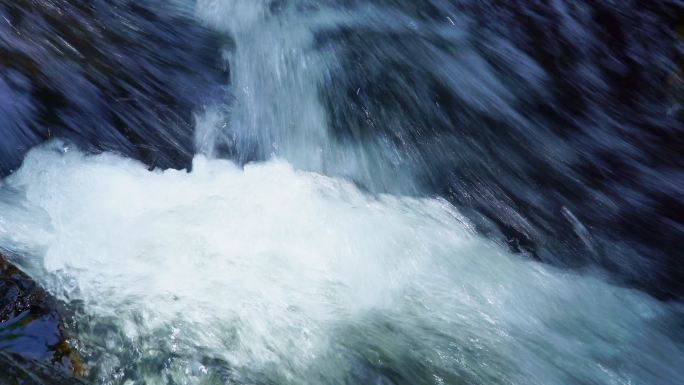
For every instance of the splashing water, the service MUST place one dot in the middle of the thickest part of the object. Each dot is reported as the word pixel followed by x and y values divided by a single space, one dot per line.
pixel 540 134
pixel 322 263
pixel 279 70
pixel 268 274
pixel 275 81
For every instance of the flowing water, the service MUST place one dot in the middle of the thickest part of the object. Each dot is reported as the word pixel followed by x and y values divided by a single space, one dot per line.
pixel 406 192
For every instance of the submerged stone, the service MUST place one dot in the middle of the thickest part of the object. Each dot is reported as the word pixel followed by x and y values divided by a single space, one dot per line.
pixel 33 343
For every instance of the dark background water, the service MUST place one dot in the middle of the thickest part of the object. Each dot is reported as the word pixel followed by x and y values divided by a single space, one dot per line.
pixel 568 148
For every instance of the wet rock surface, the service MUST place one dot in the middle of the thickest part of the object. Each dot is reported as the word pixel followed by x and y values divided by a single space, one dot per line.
pixel 18 370
pixel 33 343
pixel 116 76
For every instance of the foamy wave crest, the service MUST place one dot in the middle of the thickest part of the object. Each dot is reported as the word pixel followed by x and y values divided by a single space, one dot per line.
pixel 267 274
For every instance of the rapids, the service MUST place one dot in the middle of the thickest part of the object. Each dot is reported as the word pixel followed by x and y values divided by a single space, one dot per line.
pixel 271 275
pixel 349 192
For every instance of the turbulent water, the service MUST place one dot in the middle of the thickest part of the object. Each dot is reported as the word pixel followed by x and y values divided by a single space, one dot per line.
pixel 270 275
pixel 406 192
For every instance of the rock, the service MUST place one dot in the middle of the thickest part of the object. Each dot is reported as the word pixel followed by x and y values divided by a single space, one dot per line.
pixel 33 344
pixel 121 76
pixel 16 369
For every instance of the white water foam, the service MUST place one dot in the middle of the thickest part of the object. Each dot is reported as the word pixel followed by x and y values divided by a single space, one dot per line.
pixel 293 277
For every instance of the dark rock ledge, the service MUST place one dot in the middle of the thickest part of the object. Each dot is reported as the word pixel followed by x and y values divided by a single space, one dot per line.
pixel 34 348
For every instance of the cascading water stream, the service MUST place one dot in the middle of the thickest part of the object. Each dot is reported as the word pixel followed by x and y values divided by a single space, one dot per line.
pixel 275 77
pixel 321 253
pixel 278 76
